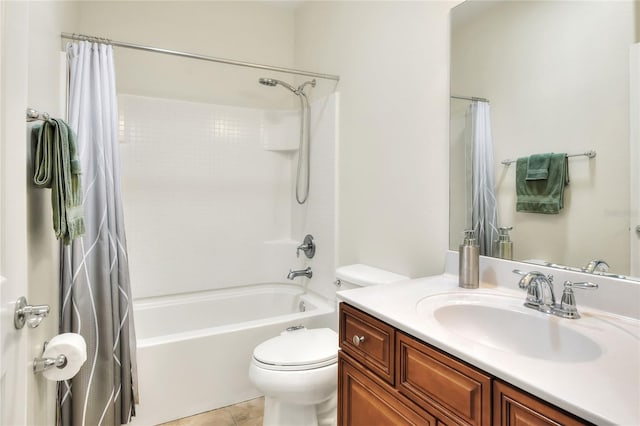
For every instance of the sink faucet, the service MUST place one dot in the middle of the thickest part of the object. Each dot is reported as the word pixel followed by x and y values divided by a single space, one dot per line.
pixel 539 289
pixel 300 273
pixel 596 266
pixel 540 295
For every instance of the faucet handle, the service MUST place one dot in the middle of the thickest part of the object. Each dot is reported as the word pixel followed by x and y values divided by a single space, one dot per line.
pixel 568 307
pixel 307 246
pixel 587 285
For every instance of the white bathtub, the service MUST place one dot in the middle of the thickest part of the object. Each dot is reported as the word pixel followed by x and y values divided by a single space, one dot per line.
pixel 194 350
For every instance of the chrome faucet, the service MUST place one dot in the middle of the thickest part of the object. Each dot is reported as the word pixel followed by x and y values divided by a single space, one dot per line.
pixel 539 289
pixel 540 294
pixel 596 266
pixel 300 273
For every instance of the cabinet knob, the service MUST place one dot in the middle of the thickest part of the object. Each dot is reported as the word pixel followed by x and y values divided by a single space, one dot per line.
pixel 357 340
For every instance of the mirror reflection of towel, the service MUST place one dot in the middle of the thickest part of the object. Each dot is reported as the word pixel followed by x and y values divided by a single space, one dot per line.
pixel 542 195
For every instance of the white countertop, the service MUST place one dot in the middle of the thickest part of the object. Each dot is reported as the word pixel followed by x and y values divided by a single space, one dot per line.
pixel 604 390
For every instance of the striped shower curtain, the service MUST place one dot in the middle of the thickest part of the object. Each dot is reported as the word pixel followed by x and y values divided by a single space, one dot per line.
pixel 95 292
pixel 484 217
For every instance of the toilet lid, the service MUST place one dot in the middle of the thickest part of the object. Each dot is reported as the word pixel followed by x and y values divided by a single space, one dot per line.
pixel 299 349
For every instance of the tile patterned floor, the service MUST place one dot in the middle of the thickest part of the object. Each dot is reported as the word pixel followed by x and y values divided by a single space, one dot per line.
pixel 248 413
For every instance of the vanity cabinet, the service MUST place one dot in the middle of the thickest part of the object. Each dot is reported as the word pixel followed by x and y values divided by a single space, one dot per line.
pixel 386 377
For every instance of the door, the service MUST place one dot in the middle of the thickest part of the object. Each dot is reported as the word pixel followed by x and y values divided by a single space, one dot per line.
pixel 634 198
pixel 14 365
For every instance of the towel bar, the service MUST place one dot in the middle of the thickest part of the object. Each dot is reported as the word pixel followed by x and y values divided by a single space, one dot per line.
pixel 33 115
pixel 589 154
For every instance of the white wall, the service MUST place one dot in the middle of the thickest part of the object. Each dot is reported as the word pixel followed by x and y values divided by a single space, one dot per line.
pixel 47 72
pixel 47 92
pixel 634 159
pixel 393 60
pixel 249 31
pixel 557 85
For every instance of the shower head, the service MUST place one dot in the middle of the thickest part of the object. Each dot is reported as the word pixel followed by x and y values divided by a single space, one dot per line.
pixel 305 121
pixel 273 82
pixel 268 81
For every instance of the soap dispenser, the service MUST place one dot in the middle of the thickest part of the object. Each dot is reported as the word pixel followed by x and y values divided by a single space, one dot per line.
pixel 469 261
pixel 503 246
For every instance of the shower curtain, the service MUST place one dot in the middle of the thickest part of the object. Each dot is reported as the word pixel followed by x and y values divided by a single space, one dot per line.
pixel 484 217
pixel 95 292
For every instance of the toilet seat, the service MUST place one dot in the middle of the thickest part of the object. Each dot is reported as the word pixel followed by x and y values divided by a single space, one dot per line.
pixel 302 349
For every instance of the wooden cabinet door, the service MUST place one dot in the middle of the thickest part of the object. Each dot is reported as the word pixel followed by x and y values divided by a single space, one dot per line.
pixel 365 402
pixel 431 378
pixel 512 407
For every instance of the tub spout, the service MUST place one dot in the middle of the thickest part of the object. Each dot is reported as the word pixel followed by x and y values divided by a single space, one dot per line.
pixel 300 273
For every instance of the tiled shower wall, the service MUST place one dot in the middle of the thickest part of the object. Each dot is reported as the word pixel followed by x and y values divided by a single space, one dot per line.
pixel 208 193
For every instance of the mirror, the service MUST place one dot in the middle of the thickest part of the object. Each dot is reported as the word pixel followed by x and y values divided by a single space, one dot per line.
pixel 556 75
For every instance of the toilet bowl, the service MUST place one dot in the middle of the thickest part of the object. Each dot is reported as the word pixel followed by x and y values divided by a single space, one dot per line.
pixel 298 374
pixel 297 371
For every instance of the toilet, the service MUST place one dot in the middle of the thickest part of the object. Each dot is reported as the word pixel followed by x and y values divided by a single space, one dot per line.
pixel 297 371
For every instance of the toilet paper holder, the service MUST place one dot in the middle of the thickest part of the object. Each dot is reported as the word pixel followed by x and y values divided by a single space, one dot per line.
pixel 41 364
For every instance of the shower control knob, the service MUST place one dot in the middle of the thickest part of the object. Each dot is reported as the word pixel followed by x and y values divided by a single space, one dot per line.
pixel 357 340
pixel 307 246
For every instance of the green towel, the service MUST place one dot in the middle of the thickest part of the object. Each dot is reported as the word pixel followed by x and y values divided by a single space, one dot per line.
pixel 544 195
pixel 57 166
pixel 538 166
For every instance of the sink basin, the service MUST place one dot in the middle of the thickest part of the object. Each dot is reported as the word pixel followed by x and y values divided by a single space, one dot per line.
pixel 502 323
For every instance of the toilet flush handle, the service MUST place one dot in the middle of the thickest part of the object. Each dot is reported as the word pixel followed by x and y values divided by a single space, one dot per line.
pixel 357 340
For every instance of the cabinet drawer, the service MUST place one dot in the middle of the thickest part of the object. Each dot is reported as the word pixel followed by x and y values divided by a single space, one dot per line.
pixel 373 345
pixel 365 402
pixel 512 407
pixel 427 376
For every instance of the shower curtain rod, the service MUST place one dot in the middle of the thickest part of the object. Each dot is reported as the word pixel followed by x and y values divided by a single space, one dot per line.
pixel 83 37
pixel 470 98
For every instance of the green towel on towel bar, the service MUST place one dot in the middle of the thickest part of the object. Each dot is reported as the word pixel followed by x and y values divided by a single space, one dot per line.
pixel 543 195
pixel 538 166
pixel 57 166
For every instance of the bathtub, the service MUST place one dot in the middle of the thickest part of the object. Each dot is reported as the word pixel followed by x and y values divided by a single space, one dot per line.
pixel 194 350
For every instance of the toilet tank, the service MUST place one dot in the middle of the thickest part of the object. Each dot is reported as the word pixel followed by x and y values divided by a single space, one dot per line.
pixel 359 275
